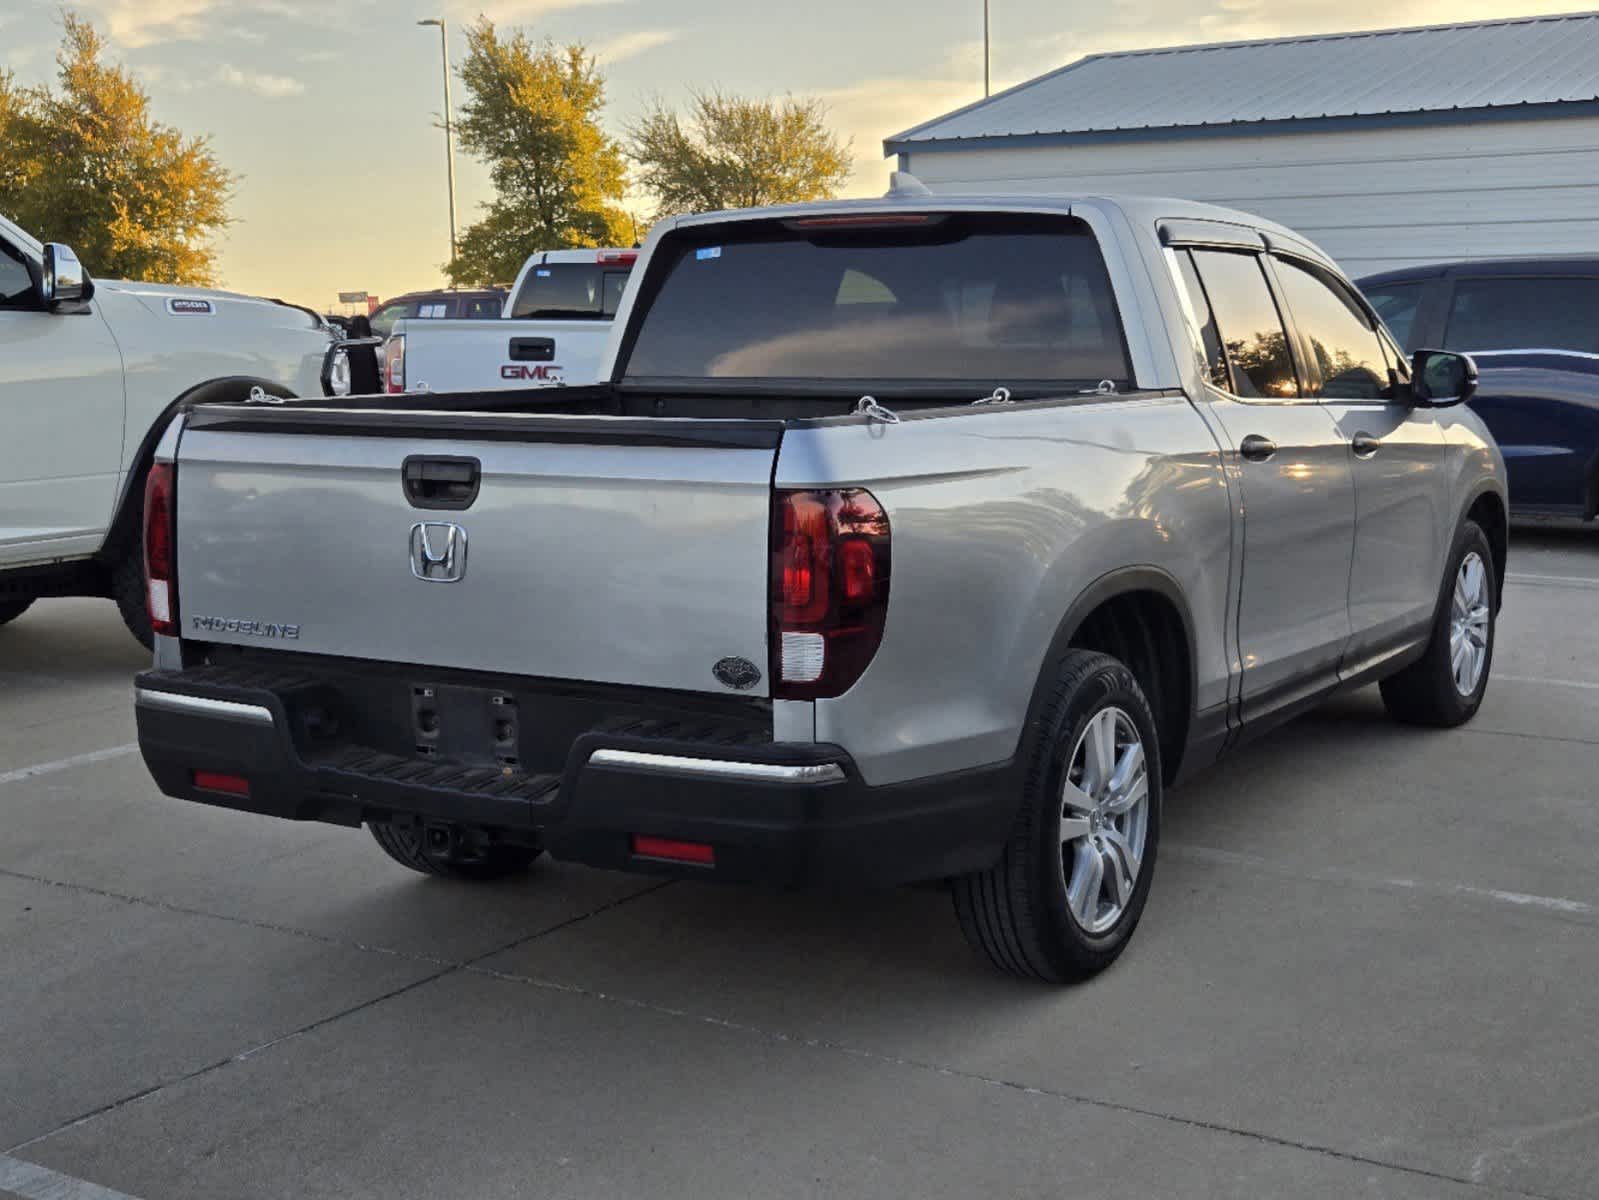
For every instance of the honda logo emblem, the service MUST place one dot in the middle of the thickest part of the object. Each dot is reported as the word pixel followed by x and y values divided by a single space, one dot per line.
pixel 438 551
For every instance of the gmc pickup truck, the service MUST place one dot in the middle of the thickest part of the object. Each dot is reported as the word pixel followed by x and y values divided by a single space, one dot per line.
pixel 552 330
pixel 924 538
pixel 91 371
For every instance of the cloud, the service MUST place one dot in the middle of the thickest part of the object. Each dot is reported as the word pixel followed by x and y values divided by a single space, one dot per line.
pixel 260 82
pixel 511 12
pixel 631 45
pixel 138 23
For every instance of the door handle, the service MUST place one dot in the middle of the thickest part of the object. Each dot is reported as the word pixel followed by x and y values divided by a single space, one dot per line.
pixel 1365 445
pixel 1256 448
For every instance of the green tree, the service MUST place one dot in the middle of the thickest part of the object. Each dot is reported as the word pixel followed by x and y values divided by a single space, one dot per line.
pixel 735 152
pixel 87 164
pixel 532 115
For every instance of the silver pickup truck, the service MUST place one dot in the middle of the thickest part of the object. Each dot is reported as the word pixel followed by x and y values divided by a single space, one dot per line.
pixel 925 538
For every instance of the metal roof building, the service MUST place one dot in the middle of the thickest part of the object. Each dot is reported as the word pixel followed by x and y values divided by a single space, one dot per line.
pixel 1475 140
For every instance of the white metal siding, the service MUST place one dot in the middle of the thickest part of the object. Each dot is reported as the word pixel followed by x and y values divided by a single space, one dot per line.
pixel 1373 198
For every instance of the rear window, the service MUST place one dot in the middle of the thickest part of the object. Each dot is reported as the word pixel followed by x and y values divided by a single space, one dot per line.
pixel 992 299
pixel 570 291
pixel 1552 313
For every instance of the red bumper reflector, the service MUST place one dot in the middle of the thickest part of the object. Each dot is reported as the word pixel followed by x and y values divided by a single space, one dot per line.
pixel 215 781
pixel 697 853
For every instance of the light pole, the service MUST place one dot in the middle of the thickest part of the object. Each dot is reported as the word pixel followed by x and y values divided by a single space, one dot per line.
pixel 449 120
pixel 985 47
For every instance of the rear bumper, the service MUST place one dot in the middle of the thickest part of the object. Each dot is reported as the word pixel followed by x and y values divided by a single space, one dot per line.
pixel 776 813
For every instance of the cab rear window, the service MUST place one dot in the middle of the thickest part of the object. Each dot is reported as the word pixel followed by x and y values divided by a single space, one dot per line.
pixel 570 291
pixel 988 299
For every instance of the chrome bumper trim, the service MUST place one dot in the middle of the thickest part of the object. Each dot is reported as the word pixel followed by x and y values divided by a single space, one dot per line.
pixel 676 764
pixel 199 706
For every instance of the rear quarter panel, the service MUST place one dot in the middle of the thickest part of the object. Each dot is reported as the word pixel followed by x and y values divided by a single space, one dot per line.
pixel 1001 518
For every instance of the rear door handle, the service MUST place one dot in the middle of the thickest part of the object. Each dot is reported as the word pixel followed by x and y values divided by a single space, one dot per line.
pixel 1256 448
pixel 1364 445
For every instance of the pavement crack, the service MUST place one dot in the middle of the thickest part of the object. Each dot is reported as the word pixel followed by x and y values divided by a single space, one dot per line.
pixel 777 1037
pixel 445 967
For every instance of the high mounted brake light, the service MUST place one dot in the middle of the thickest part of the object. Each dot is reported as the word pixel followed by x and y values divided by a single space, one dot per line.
pixel 619 258
pixel 864 221
pixel 829 590
pixel 160 552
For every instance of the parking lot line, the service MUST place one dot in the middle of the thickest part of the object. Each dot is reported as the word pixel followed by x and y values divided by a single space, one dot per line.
pixel 41 1183
pixel 1565 580
pixel 64 764
pixel 1554 905
pixel 1570 683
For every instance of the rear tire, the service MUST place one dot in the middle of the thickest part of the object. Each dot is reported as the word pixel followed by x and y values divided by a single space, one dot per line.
pixel 129 590
pixel 1063 900
pixel 405 844
pixel 12 607
pixel 1440 689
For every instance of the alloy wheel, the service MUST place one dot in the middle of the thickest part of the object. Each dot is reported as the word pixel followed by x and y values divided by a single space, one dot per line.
pixel 1468 624
pixel 1104 819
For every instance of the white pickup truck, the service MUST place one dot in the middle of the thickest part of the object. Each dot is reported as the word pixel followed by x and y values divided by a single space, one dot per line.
pixel 552 331
pixel 91 372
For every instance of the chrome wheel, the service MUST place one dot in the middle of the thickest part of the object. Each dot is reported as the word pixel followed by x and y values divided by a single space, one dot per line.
pixel 1468 624
pixel 1104 818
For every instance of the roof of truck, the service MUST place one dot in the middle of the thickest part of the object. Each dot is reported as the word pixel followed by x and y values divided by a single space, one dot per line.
pixel 1142 211
pixel 1422 73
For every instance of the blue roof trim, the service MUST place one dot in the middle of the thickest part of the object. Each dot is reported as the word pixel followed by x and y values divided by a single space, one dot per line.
pixel 1168 133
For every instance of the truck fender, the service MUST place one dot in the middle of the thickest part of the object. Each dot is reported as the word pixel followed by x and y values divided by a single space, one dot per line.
pixel 125 524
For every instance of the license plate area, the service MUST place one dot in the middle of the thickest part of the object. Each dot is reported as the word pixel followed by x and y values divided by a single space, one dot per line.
pixel 478 727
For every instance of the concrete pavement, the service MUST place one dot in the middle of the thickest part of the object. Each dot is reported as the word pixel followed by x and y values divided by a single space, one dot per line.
pixel 1368 968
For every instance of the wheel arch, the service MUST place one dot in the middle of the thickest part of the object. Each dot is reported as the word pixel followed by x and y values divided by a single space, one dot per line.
pixel 1139 615
pixel 1488 509
pixel 125 523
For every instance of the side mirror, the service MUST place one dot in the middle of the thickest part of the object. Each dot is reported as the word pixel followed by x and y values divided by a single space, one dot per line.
pixel 1439 378
pixel 65 281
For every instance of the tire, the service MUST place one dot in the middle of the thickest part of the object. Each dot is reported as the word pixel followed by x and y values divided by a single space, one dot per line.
pixel 1039 913
pixel 12 607
pixel 405 845
pixel 1430 691
pixel 132 596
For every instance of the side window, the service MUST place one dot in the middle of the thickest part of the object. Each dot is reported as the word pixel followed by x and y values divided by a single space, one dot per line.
pixel 1520 314
pixel 1251 328
pixel 615 285
pixel 1348 353
pixel 484 307
pixel 1397 305
pixel 1215 356
pixel 383 320
pixel 16 285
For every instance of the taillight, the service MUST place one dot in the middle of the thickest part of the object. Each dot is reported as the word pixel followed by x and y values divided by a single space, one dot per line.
pixel 160 553
pixel 394 363
pixel 829 590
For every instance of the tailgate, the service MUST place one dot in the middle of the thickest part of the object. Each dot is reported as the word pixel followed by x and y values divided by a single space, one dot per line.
pixel 615 550
pixel 484 355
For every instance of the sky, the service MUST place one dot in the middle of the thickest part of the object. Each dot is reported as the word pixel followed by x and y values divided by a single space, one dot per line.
pixel 328 109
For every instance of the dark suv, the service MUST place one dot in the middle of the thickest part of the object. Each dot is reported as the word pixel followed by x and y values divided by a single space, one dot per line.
pixel 440 305
pixel 1533 327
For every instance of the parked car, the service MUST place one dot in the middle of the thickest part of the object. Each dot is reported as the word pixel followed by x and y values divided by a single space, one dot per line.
pixel 915 539
pixel 552 331
pixel 91 371
pixel 1532 325
pixel 443 304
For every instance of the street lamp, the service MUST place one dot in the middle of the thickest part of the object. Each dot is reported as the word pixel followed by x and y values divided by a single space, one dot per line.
pixel 449 121
pixel 985 47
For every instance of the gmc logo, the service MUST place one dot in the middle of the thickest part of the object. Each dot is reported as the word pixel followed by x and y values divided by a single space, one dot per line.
pixel 542 373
